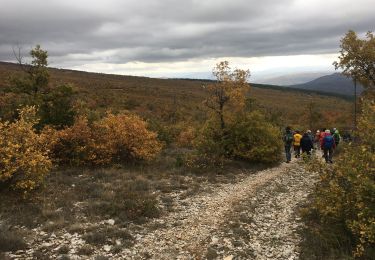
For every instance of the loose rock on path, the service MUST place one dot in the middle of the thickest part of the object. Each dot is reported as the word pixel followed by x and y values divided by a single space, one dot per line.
pixel 255 218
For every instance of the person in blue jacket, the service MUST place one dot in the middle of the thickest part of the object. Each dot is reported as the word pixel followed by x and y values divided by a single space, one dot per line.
pixel 328 145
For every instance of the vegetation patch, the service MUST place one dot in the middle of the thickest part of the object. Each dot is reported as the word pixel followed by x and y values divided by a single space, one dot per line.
pixel 341 215
pixel 11 240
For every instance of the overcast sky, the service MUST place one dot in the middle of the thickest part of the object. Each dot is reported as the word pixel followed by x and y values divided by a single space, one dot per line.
pixel 166 38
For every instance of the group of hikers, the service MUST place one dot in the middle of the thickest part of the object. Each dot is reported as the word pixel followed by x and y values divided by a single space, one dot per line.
pixel 324 139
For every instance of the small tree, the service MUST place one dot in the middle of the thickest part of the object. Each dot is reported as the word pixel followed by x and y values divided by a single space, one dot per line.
pixel 357 59
pixel 36 75
pixel 233 132
pixel 55 103
pixel 228 91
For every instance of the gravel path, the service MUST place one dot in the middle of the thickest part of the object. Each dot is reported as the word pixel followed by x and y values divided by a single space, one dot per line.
pixel 252 219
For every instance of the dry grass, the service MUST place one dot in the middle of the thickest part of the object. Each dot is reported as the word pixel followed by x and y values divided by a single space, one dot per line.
pixel 78 200
pixel 179 102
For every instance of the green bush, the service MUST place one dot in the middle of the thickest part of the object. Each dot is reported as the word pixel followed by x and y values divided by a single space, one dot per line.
pixel 252 138
pixel 56 107
pixel 164 133
pixel 249 137
pixel 211 140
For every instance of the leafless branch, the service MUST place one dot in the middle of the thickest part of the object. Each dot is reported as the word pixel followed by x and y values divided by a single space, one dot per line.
pixel 17 52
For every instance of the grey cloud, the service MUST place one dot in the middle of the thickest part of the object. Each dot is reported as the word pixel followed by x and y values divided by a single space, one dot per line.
pixel 114 31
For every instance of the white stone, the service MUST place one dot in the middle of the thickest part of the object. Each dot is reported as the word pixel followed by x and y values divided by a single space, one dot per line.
pixel 107 248
pixel 111 222
pixel 214 240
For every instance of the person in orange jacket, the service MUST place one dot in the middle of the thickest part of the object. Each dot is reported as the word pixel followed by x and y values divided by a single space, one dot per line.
pixel 297 144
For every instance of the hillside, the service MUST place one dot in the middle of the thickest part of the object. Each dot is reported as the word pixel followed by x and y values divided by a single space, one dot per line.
pixel 180 100
pixel 334 83
pixel 293 79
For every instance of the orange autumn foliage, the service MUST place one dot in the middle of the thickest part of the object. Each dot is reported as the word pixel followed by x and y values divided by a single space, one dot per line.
pixel 24 160
pixel 115 138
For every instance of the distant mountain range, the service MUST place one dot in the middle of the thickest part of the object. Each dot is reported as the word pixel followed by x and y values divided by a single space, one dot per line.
pixel 334 83
pixel 292 78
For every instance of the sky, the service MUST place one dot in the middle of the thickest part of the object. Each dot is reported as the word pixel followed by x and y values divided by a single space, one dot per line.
pixel 175 38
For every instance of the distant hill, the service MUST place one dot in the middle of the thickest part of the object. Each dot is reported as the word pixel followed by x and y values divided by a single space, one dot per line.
pixel 293 79
pixel 334 83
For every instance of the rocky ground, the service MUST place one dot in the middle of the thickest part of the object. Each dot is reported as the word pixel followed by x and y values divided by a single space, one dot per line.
pixel 254 218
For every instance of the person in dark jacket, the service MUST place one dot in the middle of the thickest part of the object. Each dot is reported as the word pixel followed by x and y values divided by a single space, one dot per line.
pixel 288 142
pixel 306 143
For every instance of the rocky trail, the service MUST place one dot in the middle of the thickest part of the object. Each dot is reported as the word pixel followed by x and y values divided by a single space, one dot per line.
pixel 254 218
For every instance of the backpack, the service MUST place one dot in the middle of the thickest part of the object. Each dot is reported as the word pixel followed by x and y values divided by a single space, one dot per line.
pixel 328 141
pixel 288 138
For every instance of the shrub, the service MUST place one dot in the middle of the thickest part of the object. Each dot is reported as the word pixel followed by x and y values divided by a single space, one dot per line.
pixel 186 137
pixel 253 138
pixel 166 134
pixel 249 137
pixel 73 144
pixel 346 191
pixel 115 138
pixel 210 140
pixel 23 153
pixel 56 107
pixel 125 137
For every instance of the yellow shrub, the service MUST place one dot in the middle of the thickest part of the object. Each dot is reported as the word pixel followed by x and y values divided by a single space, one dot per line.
pixel 23 153
pixel 72 145
pixel 124 137
pixel 117 138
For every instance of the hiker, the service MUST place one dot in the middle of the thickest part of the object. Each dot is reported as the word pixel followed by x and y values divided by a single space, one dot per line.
pixel 317 139
pixel 328 145
pixel 306 143
pixel 288 141
pixel 297 144
pixel 322 135
pixel 309 133
pixel 336 136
